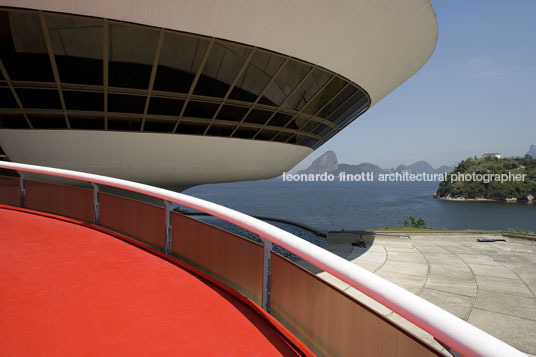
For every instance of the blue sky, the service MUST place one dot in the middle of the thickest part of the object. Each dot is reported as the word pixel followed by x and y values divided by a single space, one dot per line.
pixel 477 93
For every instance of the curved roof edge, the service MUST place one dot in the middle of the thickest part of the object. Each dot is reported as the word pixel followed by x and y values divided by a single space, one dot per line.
pixel 376 44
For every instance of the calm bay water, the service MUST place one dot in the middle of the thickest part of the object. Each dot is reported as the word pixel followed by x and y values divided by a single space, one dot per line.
pixel 361 205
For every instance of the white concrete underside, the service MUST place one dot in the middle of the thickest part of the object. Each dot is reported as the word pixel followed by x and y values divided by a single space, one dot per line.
pixel 152 158
pixel 377 44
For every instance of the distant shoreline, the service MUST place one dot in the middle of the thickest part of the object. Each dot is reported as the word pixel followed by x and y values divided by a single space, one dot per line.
pixel 529 199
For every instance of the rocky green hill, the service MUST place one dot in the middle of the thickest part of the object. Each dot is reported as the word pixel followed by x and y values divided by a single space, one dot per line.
pixel 509 179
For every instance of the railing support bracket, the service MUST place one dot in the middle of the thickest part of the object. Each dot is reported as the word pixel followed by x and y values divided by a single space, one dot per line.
pixel 95 203
pixel 22 189
pixel 169 239
pixel 267 275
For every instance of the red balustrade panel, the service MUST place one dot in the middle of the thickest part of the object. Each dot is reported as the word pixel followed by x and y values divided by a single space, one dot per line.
pixel 74 202
pixel 9 191
pixel 330 322
pixel 234 260
pixel 137 219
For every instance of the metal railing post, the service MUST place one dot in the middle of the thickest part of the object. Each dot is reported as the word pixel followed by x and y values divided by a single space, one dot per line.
pixel 449 349
pixel 267 275
pixel 22 189
pixel 95 203
pixel 169 239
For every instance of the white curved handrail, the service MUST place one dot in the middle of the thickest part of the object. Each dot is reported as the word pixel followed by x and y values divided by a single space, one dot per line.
pixel 461 336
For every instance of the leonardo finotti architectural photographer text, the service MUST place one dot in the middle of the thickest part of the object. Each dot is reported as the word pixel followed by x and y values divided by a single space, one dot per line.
pixel 403 177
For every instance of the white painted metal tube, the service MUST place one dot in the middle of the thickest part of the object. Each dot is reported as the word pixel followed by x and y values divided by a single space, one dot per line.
pixel 445 327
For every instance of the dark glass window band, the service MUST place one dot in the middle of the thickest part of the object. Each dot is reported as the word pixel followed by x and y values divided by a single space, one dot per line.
pixel 91 73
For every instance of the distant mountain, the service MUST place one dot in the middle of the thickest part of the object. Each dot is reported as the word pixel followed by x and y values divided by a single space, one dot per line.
pixel 362 167
pixel 532 150
pixel 445 168
pixel 325 163
pixel 423 166
pixel 419 166
pixel 328 163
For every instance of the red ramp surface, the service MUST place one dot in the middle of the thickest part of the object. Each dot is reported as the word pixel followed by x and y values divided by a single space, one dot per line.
pixel 66 289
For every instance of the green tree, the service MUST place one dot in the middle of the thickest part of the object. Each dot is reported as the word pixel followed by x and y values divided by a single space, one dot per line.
pixel 420 223
pixel 492 190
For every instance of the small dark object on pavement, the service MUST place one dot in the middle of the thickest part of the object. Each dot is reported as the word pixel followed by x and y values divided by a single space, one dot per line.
pixel 361 242
pixel 487 240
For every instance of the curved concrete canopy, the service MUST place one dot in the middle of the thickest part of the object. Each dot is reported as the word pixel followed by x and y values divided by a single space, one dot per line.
pixel 377 44
pixel 178 161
